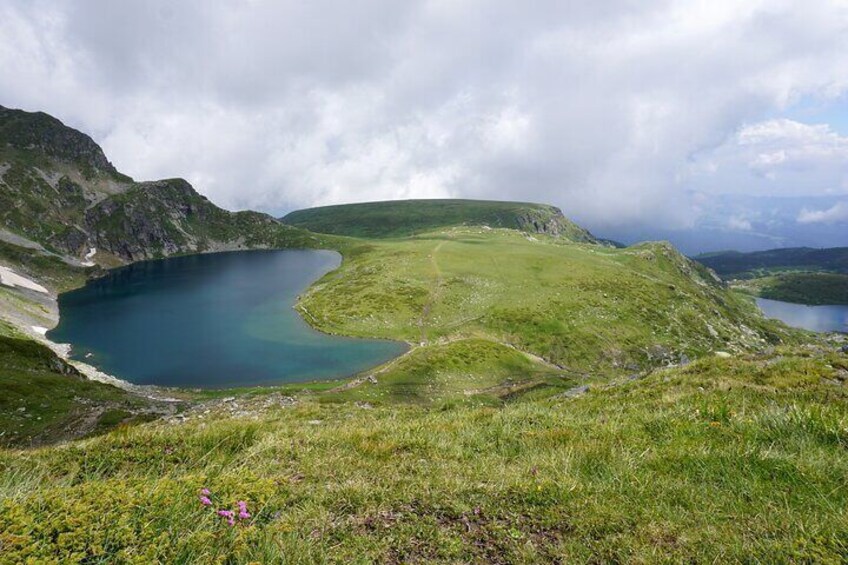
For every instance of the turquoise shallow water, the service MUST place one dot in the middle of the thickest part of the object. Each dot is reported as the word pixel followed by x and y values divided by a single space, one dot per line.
pixel 832 318
pixel 211 321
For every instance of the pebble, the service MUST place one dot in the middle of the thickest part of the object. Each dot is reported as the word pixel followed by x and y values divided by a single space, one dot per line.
pixel 576 391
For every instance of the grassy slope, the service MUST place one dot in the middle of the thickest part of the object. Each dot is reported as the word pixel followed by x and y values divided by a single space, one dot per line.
pixel 470 371
pixel 44 400
pixel 583 308
pixel 403 218
pixel 802 288
pixel 726 460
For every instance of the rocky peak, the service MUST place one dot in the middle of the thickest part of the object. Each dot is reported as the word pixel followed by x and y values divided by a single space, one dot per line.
pixel 46 134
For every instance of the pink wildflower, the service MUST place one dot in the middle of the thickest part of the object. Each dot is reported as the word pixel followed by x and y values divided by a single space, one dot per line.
pixel 243 513
pixel 204 500
pixel 229 515
pixel 205 492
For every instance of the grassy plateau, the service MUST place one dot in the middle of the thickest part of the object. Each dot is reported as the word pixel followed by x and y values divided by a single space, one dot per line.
pixel 402 218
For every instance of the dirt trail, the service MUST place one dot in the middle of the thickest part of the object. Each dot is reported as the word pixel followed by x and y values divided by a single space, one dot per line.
pixel 434 293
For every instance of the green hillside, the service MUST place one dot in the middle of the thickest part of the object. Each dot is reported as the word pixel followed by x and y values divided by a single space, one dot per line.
pixel 584 309
pixel 401 218
pixel 44 400
pixel 724 461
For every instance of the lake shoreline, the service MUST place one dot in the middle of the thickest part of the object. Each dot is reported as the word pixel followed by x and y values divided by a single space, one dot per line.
pixel 45 317
pixel 820 318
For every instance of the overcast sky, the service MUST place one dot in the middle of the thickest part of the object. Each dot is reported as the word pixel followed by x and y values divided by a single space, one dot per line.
pixel 620 112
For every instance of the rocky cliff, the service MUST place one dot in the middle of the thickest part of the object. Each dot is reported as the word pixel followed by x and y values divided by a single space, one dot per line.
pixel 58 189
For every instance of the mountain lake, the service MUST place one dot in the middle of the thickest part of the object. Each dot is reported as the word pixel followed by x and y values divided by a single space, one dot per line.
pixel 827 318
pixel 211 321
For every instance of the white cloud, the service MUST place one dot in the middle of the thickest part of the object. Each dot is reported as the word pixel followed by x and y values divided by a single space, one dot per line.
pixel 836 213
pixel 597 107
pixel 777 157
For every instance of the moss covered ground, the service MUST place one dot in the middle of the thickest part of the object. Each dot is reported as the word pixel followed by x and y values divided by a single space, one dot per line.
pixel 725 460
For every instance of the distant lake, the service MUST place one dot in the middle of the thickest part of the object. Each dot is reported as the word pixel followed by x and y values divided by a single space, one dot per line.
pixel 815 318
pixel 211 321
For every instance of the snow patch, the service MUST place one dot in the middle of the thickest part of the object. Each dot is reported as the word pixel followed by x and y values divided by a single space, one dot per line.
pixel 9 277
pixel 87 262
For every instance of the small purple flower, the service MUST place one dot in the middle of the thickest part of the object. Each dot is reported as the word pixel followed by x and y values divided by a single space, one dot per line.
pixel 205 492
pixel 229 515
pixel 204 500
pixel 243 513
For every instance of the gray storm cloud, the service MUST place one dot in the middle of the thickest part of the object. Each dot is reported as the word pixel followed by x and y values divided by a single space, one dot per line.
pixel 613 110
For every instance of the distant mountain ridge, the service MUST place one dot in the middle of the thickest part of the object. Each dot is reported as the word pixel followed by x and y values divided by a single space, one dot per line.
pixel 737 264
pixel 402 218
pixel 58 189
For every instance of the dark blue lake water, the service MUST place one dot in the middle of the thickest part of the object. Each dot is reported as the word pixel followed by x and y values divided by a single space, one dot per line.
pixel 816 318
pixel 211 321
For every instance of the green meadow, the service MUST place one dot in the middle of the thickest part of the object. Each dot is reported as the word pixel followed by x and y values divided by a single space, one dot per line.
pixel 580 308
pixel 725 460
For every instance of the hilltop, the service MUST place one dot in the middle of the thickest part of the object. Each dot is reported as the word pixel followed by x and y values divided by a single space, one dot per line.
pixel 402 218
